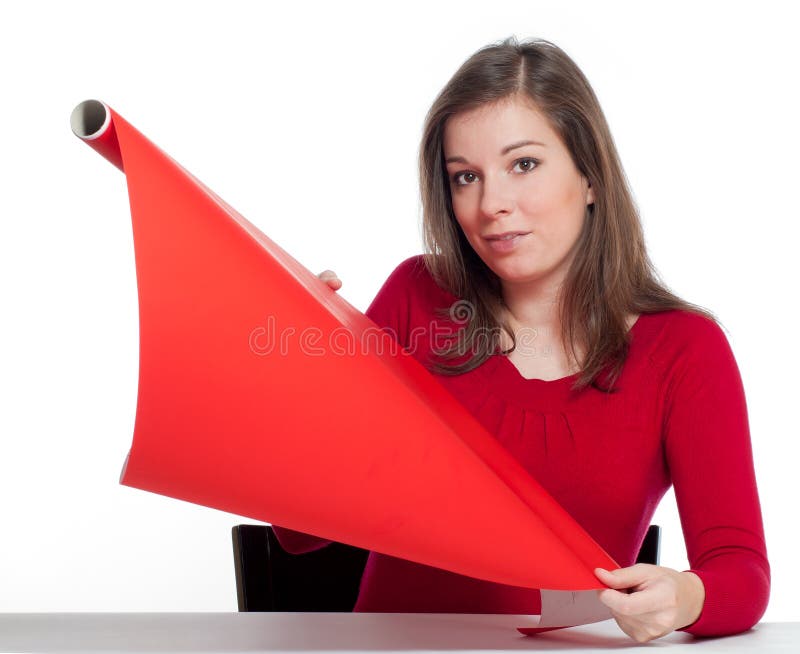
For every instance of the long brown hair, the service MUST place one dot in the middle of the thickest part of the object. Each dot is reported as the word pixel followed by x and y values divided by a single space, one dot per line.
pixel 611 274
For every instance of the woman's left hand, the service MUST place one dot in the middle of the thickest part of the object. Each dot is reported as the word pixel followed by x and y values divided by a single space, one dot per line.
pixel 657 601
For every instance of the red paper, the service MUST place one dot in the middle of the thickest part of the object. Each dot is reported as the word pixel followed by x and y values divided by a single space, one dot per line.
pixel 365 448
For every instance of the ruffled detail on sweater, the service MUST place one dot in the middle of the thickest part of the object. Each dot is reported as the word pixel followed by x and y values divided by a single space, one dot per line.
pixel 529 434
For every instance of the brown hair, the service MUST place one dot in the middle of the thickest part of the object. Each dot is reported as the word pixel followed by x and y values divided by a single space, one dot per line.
pixel 611 275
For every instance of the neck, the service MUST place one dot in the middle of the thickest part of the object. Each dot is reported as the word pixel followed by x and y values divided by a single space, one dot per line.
pixel 532 306
pixel 533 313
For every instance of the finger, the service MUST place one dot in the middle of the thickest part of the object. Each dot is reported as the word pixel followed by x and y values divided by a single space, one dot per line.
pixel 612 599
pixel 330 278
pixel 632 604
pixel 630 630
pixel 625 577
pixel 637 632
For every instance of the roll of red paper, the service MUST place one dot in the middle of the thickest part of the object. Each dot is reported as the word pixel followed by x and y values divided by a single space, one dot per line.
pixel 350 440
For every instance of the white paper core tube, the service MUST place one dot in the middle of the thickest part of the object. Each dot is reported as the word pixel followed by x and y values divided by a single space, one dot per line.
pixel 90 119
pixel 91 122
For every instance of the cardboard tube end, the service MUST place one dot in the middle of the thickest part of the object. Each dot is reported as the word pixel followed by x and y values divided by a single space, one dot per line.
pixel 90 119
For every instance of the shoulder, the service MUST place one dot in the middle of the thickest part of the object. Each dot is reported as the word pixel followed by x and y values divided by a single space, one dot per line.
pixel 409 270
pixel 684 344
pixel 409 297
pixel 680 330
pixel 414 267
pixel 411 279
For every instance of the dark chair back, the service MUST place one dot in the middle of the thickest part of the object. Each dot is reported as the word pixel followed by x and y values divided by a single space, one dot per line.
pixel 650 551
pixel 270 579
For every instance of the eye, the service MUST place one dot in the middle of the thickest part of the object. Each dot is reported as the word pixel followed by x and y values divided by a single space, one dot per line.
pixel 526 165
pixel 465 178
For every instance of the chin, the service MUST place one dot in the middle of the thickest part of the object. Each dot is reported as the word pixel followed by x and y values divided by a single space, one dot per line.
pixel 522 279
pixel 519 273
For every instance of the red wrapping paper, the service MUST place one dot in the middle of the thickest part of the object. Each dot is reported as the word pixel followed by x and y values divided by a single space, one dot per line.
pixel 350 439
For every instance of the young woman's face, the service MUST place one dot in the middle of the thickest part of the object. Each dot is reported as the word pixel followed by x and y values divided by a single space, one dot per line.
pixel 510 175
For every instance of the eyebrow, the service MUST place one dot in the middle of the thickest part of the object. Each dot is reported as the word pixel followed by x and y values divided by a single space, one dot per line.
pixel 504 151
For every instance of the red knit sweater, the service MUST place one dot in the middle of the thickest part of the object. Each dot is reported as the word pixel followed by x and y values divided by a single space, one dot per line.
pixel 679 417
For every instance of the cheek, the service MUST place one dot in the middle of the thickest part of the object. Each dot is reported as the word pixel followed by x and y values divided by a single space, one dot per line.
pixel 554 208
pixel 465 211
pixel 461 200
pixel 548 194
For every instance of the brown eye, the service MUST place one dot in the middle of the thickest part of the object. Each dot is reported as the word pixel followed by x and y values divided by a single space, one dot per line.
pixel 526 165
pixel 462 179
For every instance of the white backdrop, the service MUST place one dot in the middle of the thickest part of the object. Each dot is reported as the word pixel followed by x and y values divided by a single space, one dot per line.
pixel 306 117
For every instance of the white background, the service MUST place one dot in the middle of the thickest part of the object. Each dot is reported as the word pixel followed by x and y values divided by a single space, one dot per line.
pixel 306 117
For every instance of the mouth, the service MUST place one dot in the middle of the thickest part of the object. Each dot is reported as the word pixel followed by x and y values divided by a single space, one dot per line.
pixel 505 236
pixel 505 242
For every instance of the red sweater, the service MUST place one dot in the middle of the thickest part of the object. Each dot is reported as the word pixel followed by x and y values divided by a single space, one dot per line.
pixel 679 417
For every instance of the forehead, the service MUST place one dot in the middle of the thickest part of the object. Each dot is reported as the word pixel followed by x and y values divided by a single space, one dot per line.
pixel 493 126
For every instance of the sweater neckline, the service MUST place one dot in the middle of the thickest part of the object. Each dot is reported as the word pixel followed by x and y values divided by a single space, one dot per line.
pixel 503 364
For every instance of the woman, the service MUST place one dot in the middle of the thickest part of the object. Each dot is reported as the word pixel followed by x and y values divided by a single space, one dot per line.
pixel 607 387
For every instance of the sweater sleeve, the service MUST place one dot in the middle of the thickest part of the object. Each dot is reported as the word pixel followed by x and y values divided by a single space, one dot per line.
pixel 389 310
pixel 709 455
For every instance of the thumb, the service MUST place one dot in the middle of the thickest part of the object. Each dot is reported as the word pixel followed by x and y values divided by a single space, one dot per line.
pixel 623 577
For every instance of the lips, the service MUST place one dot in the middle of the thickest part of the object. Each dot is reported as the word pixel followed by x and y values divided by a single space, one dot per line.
pixel 505 236
pixel 506 242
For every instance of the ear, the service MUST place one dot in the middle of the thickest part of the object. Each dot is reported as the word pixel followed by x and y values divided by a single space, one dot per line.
pixel 589 195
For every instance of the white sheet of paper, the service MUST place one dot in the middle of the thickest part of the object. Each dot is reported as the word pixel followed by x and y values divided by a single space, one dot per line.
pixel 566 608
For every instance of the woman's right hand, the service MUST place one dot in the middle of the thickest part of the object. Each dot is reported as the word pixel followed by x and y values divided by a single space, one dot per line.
pixel 330 278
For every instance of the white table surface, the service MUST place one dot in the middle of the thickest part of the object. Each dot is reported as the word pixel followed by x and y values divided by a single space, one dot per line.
pixel 346 632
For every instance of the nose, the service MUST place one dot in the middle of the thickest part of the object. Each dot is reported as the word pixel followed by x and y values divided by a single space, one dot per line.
pixel 496 197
